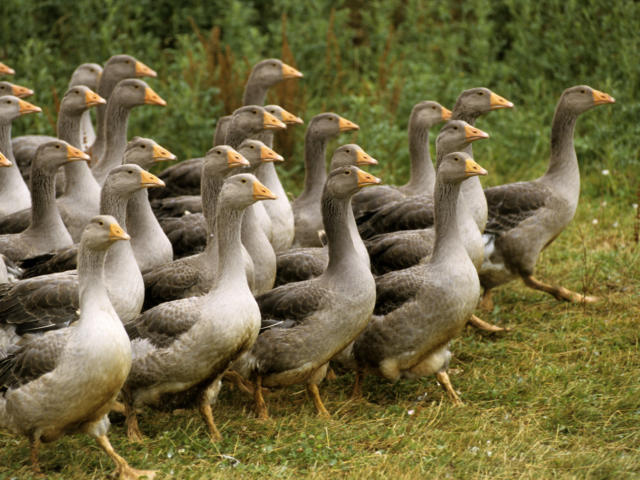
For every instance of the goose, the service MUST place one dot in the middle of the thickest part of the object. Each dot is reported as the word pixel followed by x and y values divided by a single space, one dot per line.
pixel 14 194
pixel 4 275
pixel 66 381
pixel 51 301
pixel 151 246
pixel 424 115
pixel 46 231
pixel 87 74
pixel 80 199
pixel 184 347
pixel 525 217
pixel 409 334
pixel 307 207
pixel 417 211
pixel 6 69
pixel 8 88
pixel 333 307
pixel 304 263
pixel 127 94
pixel 116 69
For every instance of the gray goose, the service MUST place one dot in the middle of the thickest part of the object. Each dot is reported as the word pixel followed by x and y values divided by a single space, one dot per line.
pixel 405 248
pixel 66 381
pixel 46 231
pixel 80 199
pixel 304 263
pixel 116 69
pixel 424 115
pixel 51 301
pixel 126 95
pixel 307 207
pixel 311 321
pixel 87 74
pixel 8 88
pixel 525 217
pixel 6 69
pixel 182 348
pixel 417 211
pixel 14 194
pixel 432 301
pixel 4 275
pixel 151 246
pixel 193 275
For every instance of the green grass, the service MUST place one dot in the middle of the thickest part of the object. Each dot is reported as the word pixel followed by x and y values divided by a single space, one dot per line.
pixel 558 397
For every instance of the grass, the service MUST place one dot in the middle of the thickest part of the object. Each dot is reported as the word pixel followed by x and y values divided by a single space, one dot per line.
pixel 558 397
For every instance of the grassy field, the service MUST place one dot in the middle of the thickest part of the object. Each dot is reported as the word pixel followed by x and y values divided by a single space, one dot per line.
pixel 558 397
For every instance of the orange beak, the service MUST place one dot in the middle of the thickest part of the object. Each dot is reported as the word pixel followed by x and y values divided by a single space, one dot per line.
pixel 4 161
pixel 20 92
pixel 117 233
pixel 496 102
pixel 290 118
pixel 290 72
pixel 365 179
pixel 92 99
pixel 471 168
pixel 473 134
pixel 446 114
pixel 268 155
pixel 347 125
pixel 149 180
pixel 152 98
pixel 74 154
pixel 26 107
pixel 600 98
pixel 234 159
pixel 6 69
pixel 363 158
pixel 143 71
pixel 260 192
pixel 270 122
pixel 161 154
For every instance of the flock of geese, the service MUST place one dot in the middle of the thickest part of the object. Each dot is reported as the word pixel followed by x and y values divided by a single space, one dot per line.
pixel 118 294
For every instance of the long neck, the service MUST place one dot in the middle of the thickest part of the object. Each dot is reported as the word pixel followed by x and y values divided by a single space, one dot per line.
pixel 5 141
pixel 254 94
pixel 231 270
pixel 423 175
pixel 78 176
pixel 8 175
pixel 44 211
pixel 105 88
pixel 140 215
pixel 93 293
pixel 220 133
pixel 210 186
pixel 116 131
pixel 113 203
pixel 235 136
pixel 448 242
pixel 315 173
pixel 335 215
pixel 266 137
pixel 563 163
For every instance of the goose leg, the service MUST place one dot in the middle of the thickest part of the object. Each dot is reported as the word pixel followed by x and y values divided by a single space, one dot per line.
pixel 118 407
pixel 238 381
pixel 133 429
pixel 445 381
pixel 35 448
pixel 312 389
pixel 261 406
pixel 123 470
pixel 356 393
pixel 204 407
pixel 560 293
pixel 486 326
pixel 486 303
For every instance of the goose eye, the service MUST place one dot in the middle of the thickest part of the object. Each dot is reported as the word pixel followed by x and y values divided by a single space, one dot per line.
pixel 348 172
pixel 244 180
pixel 8 102
pixel 252 147
pixel 136 86
pixel 583 91
pixel 143 146
pixel 58 146
pixel 455 128
pixel 348 151
pixel 218 152
pixel 254 112
pixel 480 93
pixel 433 108
pixel 130 172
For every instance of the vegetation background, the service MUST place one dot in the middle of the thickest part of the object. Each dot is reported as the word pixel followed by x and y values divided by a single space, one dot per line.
pixel 558 397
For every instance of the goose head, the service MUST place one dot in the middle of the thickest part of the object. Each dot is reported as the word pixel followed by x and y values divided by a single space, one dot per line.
pixel 478 101
pixel 344 182
pixel 456 135
pixel 458 166
pixel 79 98
pixel 425 115
pixel 257 152
pixel 582 97
pixel 267 73
pixel 351 154
pixel 87 74
pixel 12 107
pixel 101 232
pixel 127 179
pixel 132 92
pixel 243 190
pixel 145 152
pixel 281 114
pixel 328 125
pixel 125 66
pixel 253 119
pixel 52 155
pixel 8 88
pixel 222 159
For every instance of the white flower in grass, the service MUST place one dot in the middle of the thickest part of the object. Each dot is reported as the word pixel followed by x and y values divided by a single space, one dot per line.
pixel 605 172
pixel 594 221
pixel 615 224
pixel 635 206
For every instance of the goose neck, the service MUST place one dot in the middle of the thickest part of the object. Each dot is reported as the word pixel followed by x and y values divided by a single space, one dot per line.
pixel 335 215
pixel 230 270
pixel 448 242
pixel 210 186
pixel 423 175
pixel 92 287
pixel 315 174
pixel 116 138
pixel 5 140
pixel 44 212
pixel 113 203
pixel 563 162
pixel 254 93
